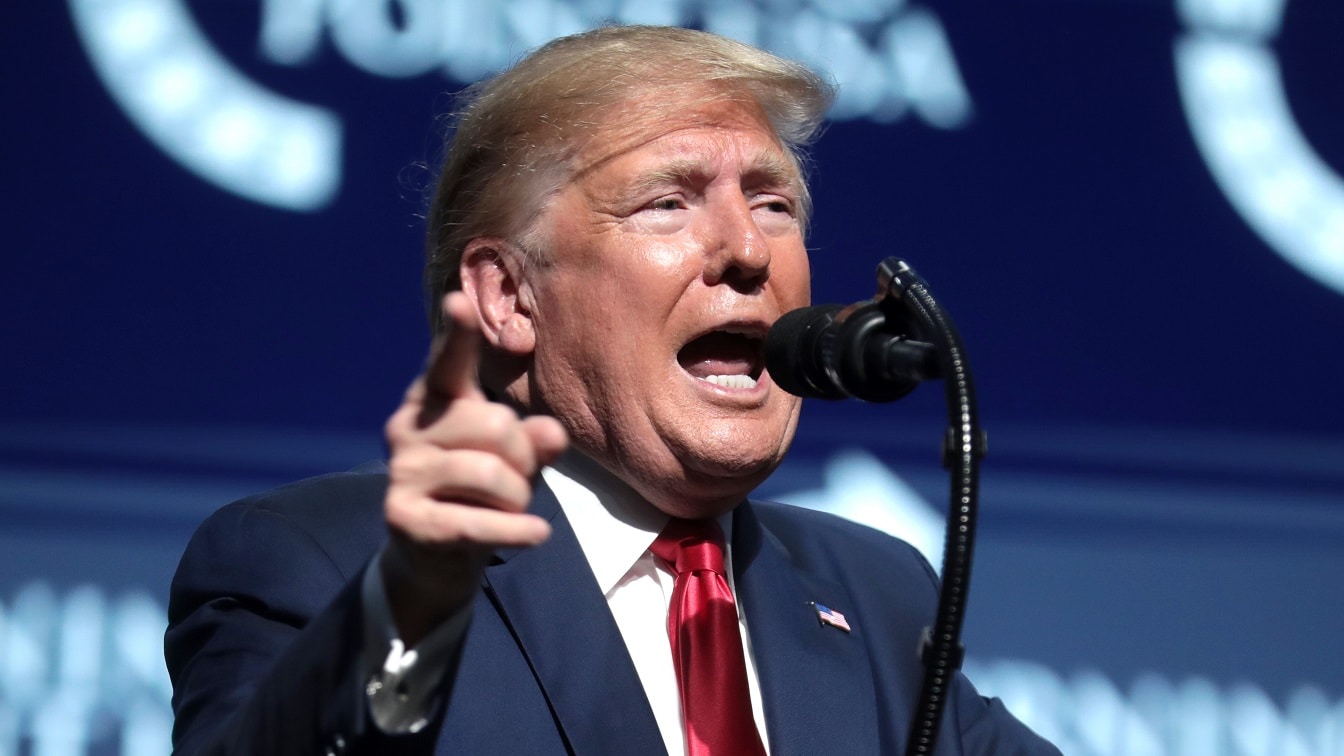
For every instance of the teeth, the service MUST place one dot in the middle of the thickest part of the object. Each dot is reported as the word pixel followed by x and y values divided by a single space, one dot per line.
pixel 732 381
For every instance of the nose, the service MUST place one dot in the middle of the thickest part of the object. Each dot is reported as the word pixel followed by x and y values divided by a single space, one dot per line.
pixel 738 253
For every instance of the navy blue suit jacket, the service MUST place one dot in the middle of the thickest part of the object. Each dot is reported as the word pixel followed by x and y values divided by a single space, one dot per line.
pixel 265 639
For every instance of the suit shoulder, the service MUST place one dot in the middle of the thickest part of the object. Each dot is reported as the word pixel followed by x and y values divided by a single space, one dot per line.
pixel 338 515
pixel 817 539
pixel 814 524
pixel 321 496
pixel 331 502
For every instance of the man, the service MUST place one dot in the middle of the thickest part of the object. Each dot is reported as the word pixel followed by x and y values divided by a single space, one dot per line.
pixel 618 223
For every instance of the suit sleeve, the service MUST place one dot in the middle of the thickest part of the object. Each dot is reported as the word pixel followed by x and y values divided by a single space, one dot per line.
pixel 263 659
pixel 987 728
pixel 984 725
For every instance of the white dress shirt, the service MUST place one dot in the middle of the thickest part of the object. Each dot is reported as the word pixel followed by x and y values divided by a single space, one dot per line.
pixel 614 527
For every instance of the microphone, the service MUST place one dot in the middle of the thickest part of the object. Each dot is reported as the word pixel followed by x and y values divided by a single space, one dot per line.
pixel 879 350
pixel 830 352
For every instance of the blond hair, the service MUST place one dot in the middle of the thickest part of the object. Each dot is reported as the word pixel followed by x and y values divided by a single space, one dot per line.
pixel 517 133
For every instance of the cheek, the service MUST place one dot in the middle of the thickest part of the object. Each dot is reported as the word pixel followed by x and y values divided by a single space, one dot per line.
pixel 591 337
pixel 791 274
pixel 633 267
pixel 661 267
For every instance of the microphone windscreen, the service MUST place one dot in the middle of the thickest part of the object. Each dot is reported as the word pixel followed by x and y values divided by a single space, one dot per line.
pixel 795 349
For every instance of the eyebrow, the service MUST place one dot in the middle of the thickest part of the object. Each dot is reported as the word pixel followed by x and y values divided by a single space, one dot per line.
pixel 765 168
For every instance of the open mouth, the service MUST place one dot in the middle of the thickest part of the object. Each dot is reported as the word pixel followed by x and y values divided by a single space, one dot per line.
pixel 729 357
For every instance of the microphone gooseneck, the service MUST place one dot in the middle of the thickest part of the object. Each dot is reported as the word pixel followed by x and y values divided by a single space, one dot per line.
pixel 878 350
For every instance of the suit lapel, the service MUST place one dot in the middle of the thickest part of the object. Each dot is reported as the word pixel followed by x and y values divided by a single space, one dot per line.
pixel 816 680
pixel 551 602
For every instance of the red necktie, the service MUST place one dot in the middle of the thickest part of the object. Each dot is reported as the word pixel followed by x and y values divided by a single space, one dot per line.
pixel 706 644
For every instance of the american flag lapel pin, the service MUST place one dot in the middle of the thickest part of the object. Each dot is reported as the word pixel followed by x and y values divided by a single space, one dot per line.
pixel 829 616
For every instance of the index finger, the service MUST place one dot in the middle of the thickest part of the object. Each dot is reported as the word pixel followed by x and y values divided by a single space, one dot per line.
pixel 455 357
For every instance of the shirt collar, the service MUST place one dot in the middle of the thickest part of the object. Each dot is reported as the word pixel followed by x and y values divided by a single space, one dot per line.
pixel 614 525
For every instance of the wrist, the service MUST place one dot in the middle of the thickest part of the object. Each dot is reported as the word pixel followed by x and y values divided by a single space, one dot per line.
pixel 425 590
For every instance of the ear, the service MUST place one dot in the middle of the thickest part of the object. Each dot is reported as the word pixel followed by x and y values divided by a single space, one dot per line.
pixel 491 271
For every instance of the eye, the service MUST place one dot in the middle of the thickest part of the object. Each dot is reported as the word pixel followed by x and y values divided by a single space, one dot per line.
pixel 775 204
pixel 667 214
pixel 775 213
pixel 664 203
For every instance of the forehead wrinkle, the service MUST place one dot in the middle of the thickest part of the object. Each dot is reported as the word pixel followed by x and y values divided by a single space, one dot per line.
pixel 610 141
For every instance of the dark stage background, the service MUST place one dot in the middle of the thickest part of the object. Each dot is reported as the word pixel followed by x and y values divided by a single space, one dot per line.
pixel 1133 209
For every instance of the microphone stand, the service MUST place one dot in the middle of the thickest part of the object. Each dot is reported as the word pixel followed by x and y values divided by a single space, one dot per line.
pixel 902 296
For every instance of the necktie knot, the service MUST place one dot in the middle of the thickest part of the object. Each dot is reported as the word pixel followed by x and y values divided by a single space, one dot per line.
pixel 690 545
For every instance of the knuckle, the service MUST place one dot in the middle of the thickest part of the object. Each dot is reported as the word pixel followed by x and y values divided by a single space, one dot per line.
pixel 479 479
pixel 398 510
pixel 490 474
pixel 406 466
pixel 449 524
pixel 467 530
pixel 496 420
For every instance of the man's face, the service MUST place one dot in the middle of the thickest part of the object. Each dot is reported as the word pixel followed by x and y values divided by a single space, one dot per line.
pixel 668 256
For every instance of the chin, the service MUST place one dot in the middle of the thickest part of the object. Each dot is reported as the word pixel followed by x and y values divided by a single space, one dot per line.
pixel 705 469
pixel 702 485
pixel 730 476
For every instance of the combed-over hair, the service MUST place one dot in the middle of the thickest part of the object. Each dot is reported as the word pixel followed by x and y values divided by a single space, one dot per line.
pixel 518 133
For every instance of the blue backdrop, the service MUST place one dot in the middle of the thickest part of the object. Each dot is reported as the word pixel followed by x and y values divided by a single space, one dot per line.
pixel 1133 208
